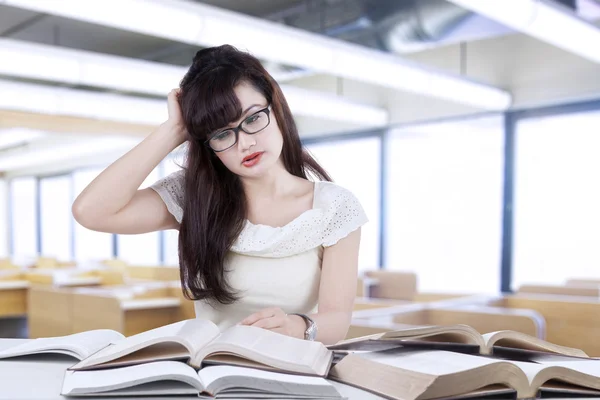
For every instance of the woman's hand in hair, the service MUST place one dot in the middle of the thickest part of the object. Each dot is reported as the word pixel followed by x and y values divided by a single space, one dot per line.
pixel 175 121
pixel 276 320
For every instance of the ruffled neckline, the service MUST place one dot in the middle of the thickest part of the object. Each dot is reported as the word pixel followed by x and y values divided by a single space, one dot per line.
pixel 302 233
pixel 335 213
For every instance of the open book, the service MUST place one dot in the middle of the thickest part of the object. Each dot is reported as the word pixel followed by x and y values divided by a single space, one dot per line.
pixel 195 341
pixel 199 342
pixel 462 338
pixel 175 378
pixel 79 345
pixel 407 374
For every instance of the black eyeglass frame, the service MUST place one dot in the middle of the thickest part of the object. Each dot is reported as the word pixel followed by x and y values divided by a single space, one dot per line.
pixel 237 129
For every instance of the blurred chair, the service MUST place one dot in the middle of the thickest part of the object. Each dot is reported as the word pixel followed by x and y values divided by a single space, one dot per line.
pixel 393 284
pixel 589 290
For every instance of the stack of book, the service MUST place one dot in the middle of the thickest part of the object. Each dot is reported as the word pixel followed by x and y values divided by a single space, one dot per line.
pixel 458 362
pixel 190 357
pixel 194 357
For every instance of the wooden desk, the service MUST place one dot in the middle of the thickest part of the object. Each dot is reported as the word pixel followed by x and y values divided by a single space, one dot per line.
pixel 13 298
pixel 57 311
pixel 157 273
pixel 64 278
pixel 571 321
pixel 573 289
pixel 13 308
pixel 47 371
pixel 369 303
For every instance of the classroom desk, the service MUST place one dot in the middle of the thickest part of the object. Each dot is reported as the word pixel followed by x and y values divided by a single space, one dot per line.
pixel 13 307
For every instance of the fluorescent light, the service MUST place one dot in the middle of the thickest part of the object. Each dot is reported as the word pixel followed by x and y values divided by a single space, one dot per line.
pixel 204 25
pixel 77 67
pixel 79 103
pixel 52 63
pixel 60 152
pixel 23 59
pixel 546 21
pixel 18 136
pixel 113 107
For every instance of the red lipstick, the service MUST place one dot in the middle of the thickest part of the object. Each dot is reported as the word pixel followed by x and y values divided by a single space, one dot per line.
pixel 252 159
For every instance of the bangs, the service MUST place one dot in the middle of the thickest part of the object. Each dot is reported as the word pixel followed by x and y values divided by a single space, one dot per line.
pixel 215 104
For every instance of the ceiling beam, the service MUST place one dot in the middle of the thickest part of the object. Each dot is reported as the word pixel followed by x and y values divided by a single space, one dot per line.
pixel 544 20
pixel 76 67
pixel 203 25
pixel 70 124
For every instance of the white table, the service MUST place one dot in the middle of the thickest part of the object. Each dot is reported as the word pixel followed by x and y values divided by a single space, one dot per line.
pixel 40 378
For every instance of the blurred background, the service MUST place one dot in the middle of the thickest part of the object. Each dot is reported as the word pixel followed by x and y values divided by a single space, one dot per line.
pixel 468 129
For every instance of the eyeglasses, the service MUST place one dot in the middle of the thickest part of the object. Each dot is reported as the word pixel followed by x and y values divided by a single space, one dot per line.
pixel 254 123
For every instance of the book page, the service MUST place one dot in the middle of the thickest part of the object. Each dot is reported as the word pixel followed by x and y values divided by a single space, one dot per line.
pixel 89 382
pixel 432 362
pixel 462 336
pixel 453 373
pixel 530 369
pixel 210 374
pixel 190 334
pixel 521 341
pixel 589 367
pixel 577 372
pixel 79 345
pixel 270 348
pixel 576 363
pixel 243 381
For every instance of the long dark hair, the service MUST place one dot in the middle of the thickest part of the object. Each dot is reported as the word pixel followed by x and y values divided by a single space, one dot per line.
pixel 214 209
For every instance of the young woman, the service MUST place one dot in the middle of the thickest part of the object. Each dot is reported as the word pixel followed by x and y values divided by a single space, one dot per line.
pixel 259 243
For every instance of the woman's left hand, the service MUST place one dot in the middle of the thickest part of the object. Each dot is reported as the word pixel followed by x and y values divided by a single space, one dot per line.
pixel 276 320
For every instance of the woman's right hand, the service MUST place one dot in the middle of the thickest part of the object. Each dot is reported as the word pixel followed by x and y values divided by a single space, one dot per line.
pixel 175 121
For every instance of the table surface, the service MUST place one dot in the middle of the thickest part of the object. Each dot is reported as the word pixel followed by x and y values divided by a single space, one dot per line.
pixel 40 378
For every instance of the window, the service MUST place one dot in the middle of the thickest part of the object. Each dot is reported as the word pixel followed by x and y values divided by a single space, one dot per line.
pixel 89 246
pixel 56 218
pixel 141 249
pixel 444 186
pixel 23 219
pixel 171 236
pixel 355 165
pixel 556 199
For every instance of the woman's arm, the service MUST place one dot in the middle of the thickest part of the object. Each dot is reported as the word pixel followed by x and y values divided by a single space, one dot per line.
pixel 112 201
pixel 339 275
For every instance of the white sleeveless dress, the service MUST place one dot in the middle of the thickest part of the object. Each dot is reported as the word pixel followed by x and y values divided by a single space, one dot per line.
pixel 276 266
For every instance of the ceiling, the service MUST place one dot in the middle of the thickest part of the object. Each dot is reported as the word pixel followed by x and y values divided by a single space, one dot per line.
pixel 395 26
pixel 428 22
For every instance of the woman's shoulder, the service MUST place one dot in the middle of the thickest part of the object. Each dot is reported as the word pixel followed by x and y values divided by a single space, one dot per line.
pixel 331 189
pixel 334 197
pixel 171 190
pixel 342 211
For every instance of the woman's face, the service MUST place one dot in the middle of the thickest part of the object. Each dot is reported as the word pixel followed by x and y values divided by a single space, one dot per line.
pixel 253 154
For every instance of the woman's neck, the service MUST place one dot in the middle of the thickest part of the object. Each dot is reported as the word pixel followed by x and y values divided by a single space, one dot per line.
pixel 276 183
